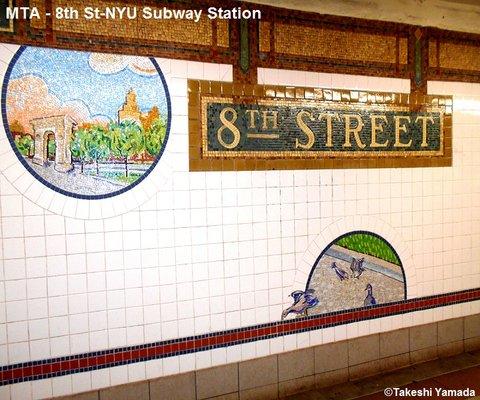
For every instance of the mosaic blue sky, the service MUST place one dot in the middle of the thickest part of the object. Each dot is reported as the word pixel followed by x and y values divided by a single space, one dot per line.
pixel 96 89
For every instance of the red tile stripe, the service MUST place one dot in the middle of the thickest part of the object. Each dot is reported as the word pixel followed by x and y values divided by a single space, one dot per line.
pixel 91 361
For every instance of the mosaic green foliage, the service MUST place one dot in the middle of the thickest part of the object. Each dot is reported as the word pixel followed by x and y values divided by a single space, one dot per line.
pixel 124 140
pixel 24 145
pixel 154 136
pixel 369 244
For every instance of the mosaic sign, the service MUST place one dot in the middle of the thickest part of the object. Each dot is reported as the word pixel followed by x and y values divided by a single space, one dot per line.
pixel 359 269
pixel 87 125
pixel 316 126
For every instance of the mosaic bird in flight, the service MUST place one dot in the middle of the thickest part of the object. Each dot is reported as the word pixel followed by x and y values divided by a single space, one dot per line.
pixel 357 267
pixel 369 300
pixel 341 274
pixel 301 302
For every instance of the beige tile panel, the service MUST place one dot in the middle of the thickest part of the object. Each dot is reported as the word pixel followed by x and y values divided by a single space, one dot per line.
pixel 472 344
pixel 230 396
pixel 295 364
pixel 298 385
pixel 363 349
pixel 393 343
pixel 331 356
pixel 369 368
pixel 394 362
pixel 450 331
pixel 173 387
pixel 269 392
pixel 81 396
pixel 472 326
pixel 423 355
pixel 423 336
pixel 331 378
pixel 258 372
pixel 217 381
pixel 450 349
pixel 131 391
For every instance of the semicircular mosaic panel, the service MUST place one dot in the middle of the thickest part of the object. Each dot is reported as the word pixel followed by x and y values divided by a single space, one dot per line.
pixel 358 269
pixel 88 125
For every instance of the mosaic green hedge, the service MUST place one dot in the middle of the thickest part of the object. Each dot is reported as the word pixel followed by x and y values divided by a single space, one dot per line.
pixel 369 244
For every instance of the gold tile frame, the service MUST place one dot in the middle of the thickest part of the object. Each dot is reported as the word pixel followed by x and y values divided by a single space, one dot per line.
pixel 200 92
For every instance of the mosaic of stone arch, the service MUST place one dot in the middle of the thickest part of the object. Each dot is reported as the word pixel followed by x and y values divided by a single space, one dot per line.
pixel 62 127
pixel 338 274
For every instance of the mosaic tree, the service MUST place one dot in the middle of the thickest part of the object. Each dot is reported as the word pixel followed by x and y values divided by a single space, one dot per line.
pixel 127 140
pixel 78 146
pixel 154 137
pixel 98 145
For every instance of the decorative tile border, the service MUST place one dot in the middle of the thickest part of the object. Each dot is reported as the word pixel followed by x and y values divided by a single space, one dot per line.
pixel 49 368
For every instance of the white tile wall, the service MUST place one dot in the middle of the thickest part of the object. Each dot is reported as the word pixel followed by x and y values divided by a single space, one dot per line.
pixel 190 253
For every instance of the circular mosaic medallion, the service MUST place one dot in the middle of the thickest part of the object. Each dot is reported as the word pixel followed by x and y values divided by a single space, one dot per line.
pixel 87 125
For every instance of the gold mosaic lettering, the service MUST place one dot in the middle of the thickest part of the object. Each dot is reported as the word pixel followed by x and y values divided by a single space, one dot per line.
pixel 425 121
pixel 273 118
pixel 228 124
pixel 377 127
pixel 399 129
pixel 355 131
pixel 305 129
pixel 251 118
pixel 328 119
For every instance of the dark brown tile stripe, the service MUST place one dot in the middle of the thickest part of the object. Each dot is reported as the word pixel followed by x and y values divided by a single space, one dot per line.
pixel 48 368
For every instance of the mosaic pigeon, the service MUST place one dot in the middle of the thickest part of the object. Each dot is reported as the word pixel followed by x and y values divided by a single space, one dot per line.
pixel 369 300
pixel 301 302
pixel 357 267
pixel 340 272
